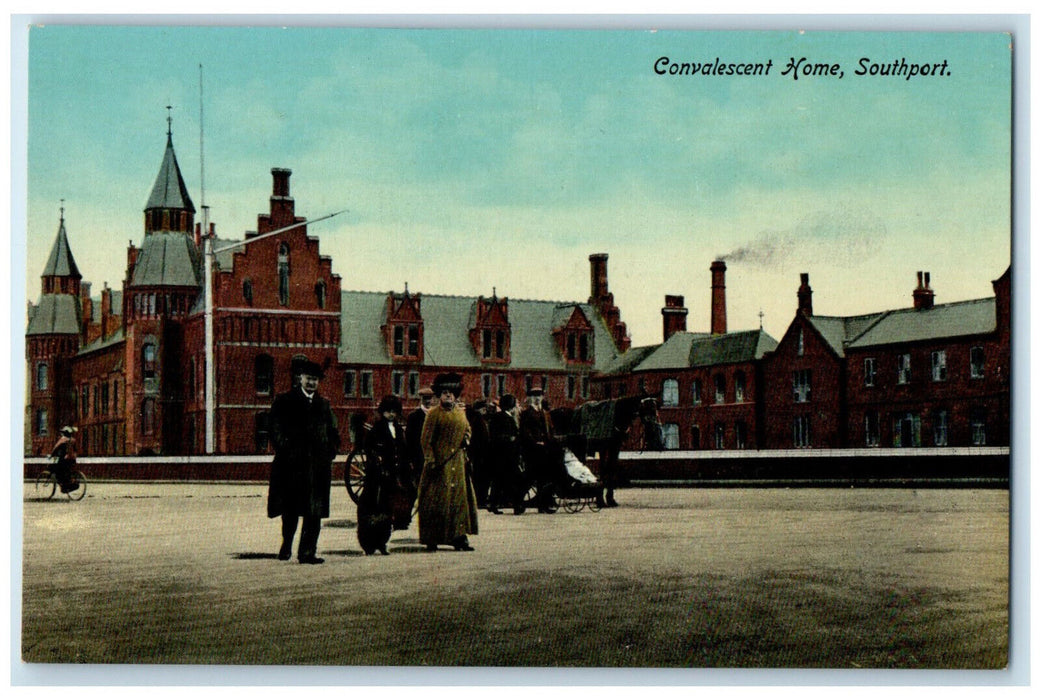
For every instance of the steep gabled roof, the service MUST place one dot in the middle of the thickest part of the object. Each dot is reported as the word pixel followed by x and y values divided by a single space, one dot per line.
pixel 684 350
pixel 168 259
pixel 169 190
pixel 55 313
pixel 838 331
pixel 60 262
pixel 974 317
pixel 446 324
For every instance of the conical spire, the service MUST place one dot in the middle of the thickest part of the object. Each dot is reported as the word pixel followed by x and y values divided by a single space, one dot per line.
pixel 169 191
pixel 60 262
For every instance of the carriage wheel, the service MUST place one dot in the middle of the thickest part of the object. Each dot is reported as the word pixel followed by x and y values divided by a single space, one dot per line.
pixel 45 486
pixel 592 504
pixel 572 505
pixel 354 474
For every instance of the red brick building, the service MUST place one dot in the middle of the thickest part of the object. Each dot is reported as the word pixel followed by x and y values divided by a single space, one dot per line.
pixel 129 368
pixel 708 385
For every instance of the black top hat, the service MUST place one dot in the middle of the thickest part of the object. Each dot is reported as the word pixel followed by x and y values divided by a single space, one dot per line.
pixel 302 365
pixel 449 381
pixel 507 402
pixel 535 391
pixel 390 402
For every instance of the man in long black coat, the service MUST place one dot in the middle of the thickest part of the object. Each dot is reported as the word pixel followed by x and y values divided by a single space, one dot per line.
pixel 304 434
pixel 539 449
pixel 414 431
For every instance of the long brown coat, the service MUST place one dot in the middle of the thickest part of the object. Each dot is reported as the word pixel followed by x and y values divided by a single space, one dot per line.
pixel 447 501
pixel 306 440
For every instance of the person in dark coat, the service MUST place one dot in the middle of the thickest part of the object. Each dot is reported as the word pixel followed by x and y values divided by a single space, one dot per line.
pixel 306 440
pixel 538 449
pixel 382 505
pixel 477 450
pixel 64 456
pixel 508 485
pixel 414 432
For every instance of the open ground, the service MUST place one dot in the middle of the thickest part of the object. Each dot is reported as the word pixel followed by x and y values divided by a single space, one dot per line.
pixel 673 578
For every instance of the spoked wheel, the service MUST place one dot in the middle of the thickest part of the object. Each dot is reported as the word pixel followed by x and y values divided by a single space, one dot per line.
pixel 354 474
pixel 45 486
pixel 79 493
pixel 572 505
pixel 592 504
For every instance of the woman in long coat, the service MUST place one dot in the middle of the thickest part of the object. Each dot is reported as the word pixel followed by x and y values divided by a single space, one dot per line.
pixel 386 472
pixel 447 501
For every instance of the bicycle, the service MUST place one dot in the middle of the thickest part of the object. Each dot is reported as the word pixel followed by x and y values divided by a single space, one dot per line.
pixel 47 485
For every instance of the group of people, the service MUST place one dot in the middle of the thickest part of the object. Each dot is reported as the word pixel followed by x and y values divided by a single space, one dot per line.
pixel 448 459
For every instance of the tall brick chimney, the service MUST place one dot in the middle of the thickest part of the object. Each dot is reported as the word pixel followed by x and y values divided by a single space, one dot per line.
pixel 598 277
pixel 719 297
pixel 603 301
pixel 923 295
pixel 283 210
pixel 673 316
pixel 805 294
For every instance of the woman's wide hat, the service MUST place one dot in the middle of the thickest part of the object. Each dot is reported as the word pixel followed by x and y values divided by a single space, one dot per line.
pixel 448 381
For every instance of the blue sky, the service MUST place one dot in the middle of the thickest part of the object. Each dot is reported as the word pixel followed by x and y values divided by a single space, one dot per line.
pixel 503 158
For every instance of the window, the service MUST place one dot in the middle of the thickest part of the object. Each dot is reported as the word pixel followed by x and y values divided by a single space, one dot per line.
pixel 720 434
pixel 115 396
pixel 366 384
pixel 741 435
pixel 940 428
pixel 413 340
pixel 696 391
pixel 263 374
pixel 721 388
pixel 903 369
pixel 349 379
pixel 399 340
pixel 413 383
pixel 500 381
pixel 486 343
pixel 801 431
pixel 801 347
pixel 545 383
pixel 801 380
pixel 527 384
pixel 572 346
pixel 869 371
pixel 397 382
pixel 978 427
pixel 670 393
pixel 583 347
pixel 247 292
pixel 871 434
pixel 84 402
pixel 283 274
pixel 500 344
pixel 261 430
pixel 148 416
pixel 939 365
pixel 695 437
pixel 739 387
pixel 319 294
pixel 976 363
pixel 104 398
pixel 571 384
pixel 585 386
pixel 907 430
pixel 41 376
pixel 148 361
pixel 671 436
pixel 486 385
pixel 41 421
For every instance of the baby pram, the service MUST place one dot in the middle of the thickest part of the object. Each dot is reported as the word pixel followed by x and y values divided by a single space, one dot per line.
pixel 577 486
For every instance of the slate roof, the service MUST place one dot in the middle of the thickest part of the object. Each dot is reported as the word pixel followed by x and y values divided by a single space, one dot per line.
pixel 838 331
pixel 446 325
pixel 168 259
pixel 169 190
pixel 55 313
pixel 684 350
pixel 102 343
pixel 60 262
pixel 963 318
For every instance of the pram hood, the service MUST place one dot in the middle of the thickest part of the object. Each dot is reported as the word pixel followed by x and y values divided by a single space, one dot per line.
pixel 576 469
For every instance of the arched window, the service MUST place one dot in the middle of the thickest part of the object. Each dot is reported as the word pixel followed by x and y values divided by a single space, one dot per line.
pixel 739 386
pixel 283 274
pixel 148 369
pixel 319 294
pixel 264 374
pixel 247 291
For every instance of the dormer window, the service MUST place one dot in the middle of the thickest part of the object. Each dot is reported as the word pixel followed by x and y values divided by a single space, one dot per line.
pixel 490 330
pixel 404 327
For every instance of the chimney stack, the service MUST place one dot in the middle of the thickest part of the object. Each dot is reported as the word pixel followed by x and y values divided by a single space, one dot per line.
pixel 719 297
pixel 598 277
pixel 923 295
pixel 805 294
pixel 280 186
pixel 673 316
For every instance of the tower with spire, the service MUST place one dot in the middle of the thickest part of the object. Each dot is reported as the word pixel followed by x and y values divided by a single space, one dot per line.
pixel 163 282
pixel 52 338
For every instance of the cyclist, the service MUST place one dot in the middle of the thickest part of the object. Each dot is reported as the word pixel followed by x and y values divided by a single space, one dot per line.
pixel 64 454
